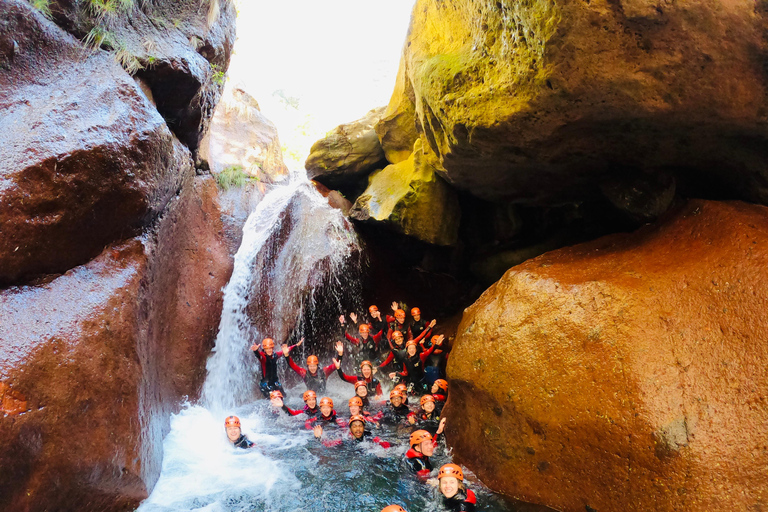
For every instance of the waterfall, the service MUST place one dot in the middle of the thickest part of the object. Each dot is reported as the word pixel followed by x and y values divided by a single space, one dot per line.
pixel 294 251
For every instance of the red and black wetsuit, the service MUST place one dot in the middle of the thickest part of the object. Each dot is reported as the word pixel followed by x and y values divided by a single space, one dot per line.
pixel 392 415
pixel 311 413
pixel 437 355
pixel 419 330
pixel 397 353
pixel 378 326
pixel 393 325
pixel 314 382
pixel 269 379
pixel 461 502
pixel 367 436
pixel 374 388
pixel 429 422
pixel 243 442
pixel 418 463
pixel 367 348
pixel 413 370
pixel 324 421
pixel 439 402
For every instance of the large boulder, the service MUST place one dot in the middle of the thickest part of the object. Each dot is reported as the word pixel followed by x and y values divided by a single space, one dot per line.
pixel 626 373
pixel 241 137
pixel 540 102
pixel 411 198
pixel 181 49
pixel 348 154
pixel 86 157
pixel 94 361
pixel 397 129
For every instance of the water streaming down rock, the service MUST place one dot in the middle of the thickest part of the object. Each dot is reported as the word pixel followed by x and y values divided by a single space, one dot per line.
pixel 295 248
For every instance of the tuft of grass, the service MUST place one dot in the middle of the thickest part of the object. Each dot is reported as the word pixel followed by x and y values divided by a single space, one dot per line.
pixel 218 75
pixel 130 63
pixel 97 37
pixel 233 177
pixel 44 6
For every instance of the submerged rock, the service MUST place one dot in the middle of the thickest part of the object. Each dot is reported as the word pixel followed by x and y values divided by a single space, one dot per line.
pixel 86 158
pixel 625 373
pixel 411 198
pixel 348 154
pixel 99 357
pixel 539 102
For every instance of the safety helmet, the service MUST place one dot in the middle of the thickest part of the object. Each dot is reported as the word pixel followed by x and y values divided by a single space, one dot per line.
pixel 364 328
pixel 410 343
pixel 232 421
pixel 356 417
pixel 372 309
pixel 313 360
pixel 275 394
pixel 356 400
pixel 451 470
pixel 394 393
pixel 397 334
pixel 426 398
pixel 419 437
pixel 366 362
pixel 434 339
pixel 326 401
pixel 393 508
pixel 360 383
pixel 415 311
pixel 268 343
pixel 309 394
pixel 442 384
pixel 402 388
pixel 400 314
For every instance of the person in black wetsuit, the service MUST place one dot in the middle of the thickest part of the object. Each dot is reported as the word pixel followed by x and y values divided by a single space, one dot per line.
pixel 397 352
pixel 366 374
pixel 314 377
pixel 357 432
pixel 413 367
pixel 378 324
pixel 310 408
pixel 265 353
pixel 396 324
pixel 456 496
pixel 235 435
pixel 326 418
pixel 366 345
pixel 396 412
pixel 435 363
pixel 419 329
pixel 440 392
pixel 428 418
pixel 417 457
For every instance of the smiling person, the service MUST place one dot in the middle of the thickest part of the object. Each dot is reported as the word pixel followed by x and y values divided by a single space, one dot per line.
pixel 265 353
pixel 417 458
pixel 456 496
pixel 357 433
pixel 235 435
pixel 314 376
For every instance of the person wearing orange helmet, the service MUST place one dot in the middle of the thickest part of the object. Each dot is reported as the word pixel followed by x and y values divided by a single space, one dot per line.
pixel 428 418
pixel 456 496
pixel 396 323
pixel 419 329
pixel 357 431
pixel 397 353
pixel 422 446
pixel 434 366
pixel 314 377
pixel 393 508
pixel 440 392
pixel 326 418
pixel 265 353
pixel 413 367
pixel 310 406
pixel 395 411
pixel 235 434
pixel 367 344
pixel 367 370
pixel 378 324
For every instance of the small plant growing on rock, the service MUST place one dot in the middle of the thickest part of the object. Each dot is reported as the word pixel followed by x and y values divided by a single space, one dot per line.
pixel 44 6
pixel 234 177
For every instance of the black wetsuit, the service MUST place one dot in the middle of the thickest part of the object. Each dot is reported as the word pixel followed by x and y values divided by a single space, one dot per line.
pixel 418 463
pixel 416 327
pixel 395 415
pixel 269 379
pixel 463 501
pixel 243 442
pixel 429 422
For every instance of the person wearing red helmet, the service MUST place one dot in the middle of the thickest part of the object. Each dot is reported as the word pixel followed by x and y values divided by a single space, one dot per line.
pixel 456 496
pixel 367 371
pixel 428 418
pixel 357 431
pixel 265 353
pixel 367 344
pixel 419 329
pixel 326 418
pixel 314 377
pixel 396 412
pixel 235 434
pixel 413 367
pixel 422 446
pixel 310 406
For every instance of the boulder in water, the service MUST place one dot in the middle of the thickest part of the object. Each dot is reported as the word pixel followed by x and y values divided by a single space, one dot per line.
pixel 626 373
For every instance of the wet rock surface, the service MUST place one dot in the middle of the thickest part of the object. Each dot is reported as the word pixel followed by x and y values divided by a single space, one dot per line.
pixel 100 356
pixel 624 373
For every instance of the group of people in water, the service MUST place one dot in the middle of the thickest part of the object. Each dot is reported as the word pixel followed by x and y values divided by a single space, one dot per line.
pixel 416 362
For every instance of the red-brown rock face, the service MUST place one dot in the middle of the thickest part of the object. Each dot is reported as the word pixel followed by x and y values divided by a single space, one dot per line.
pixel 93 362
pixel 628 373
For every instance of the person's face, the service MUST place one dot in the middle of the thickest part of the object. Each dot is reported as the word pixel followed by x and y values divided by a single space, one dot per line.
pixel 312 368
pixel 276 402
pixel 396 400
pixel 364 335
pixel 428 407
pixel 326 410
pixel 366 371
pixel 362 391
pixel 417 317
pixel 357 429
pixel 354 410
pixel 233 433
pixel 435 388
pixel 411 350
pixel 400 318
pixel 427 448
pixel 398 340
pixel 269 351
pixel 449 486
pixel 312 402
